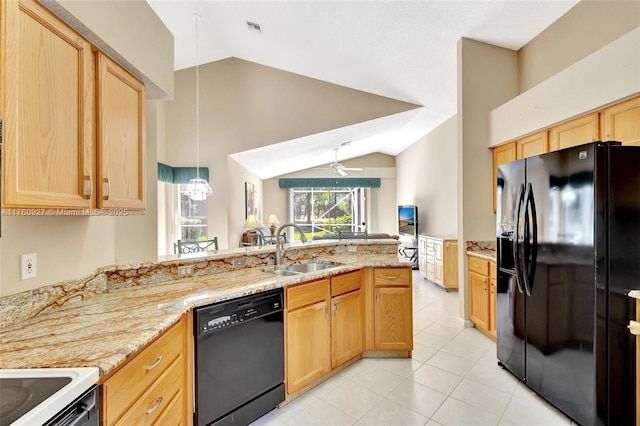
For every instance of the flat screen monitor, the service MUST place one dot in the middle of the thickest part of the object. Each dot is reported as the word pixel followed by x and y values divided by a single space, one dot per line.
pixel 408 220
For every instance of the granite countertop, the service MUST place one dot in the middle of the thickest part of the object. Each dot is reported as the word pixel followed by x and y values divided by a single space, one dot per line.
pixel 635 294
pixel 483 249
pixel 105 329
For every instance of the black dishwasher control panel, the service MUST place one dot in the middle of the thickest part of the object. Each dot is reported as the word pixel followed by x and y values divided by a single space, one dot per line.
pixel 222 315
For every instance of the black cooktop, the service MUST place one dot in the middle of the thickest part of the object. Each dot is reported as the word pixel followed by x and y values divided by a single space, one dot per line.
pixel 19 396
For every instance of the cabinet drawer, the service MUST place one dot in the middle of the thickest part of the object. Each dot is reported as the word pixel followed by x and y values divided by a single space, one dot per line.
pixel 391 276
pixel 493 273
pixel 158 398
pixel 126 386
pixel 307 294
pixel 172 415
pixel 430 242
pixel 481 266
pixel 346 283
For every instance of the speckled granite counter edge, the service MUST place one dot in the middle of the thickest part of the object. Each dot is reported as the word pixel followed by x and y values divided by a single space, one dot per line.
pixel 482 249
pixel 22 306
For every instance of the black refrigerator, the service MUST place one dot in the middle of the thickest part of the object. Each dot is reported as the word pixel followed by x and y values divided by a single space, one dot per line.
pixel 568 253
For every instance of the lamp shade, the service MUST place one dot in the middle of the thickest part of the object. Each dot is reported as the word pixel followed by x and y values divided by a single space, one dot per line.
pixel 273 219
pixel 252 222
pixel 198 189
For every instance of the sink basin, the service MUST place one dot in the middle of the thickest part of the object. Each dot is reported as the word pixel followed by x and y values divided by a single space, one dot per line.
pixel 282 272
pixel 309 267
pixel 302 268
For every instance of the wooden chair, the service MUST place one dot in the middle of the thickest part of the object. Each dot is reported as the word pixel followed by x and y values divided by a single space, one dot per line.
pixel 197 246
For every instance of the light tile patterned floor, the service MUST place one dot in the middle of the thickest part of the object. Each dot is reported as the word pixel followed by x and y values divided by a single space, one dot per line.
pixel 453 379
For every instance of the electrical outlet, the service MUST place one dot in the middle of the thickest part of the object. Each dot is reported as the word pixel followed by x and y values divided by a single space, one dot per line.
pixel 27 266
pixel 352 249
pixel 185 271
pixel 239 262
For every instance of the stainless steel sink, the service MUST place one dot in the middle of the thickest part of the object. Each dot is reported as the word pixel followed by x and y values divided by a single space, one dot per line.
pixel 309 267
pixel 282 272
pixel 301 268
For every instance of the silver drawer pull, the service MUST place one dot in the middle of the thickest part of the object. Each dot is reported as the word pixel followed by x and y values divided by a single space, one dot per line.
pixel 155 364
pixel 392 277
pixel 158 402
pixel 634 327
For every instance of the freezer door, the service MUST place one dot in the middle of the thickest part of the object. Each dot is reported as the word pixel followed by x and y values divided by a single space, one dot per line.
pixel 558 251
pixel 510 300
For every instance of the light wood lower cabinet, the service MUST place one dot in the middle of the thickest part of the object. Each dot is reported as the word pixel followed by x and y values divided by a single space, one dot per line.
pixel 482 294
pixel 154 385
pixel 392 312
pixel 347 321
pixel 308 344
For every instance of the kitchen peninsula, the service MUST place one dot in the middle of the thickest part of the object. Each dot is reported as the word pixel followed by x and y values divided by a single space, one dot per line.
pixel 117 315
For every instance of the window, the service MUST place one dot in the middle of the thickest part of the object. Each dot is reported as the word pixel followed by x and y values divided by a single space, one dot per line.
pixel 318 211
pixel 193 217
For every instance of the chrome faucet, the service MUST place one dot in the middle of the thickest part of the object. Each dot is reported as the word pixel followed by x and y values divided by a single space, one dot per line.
pixel 279 251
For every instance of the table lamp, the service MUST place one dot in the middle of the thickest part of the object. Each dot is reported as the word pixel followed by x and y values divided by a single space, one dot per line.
pixel 252 222
pixel 273 221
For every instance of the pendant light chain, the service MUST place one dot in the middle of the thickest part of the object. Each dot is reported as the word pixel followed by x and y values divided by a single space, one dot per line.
pixel 197 17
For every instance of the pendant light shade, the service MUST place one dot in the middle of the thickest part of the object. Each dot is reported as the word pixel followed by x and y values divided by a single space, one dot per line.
pixel 197 189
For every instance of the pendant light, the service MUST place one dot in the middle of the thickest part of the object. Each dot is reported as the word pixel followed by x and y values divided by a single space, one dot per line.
pixel 198 189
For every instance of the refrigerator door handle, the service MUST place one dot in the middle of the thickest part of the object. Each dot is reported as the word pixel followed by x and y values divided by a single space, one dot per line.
pixel 530 241
pixel 534 245
pixel 516 240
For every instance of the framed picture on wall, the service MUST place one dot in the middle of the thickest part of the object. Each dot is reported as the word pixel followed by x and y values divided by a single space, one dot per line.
pixel 249 199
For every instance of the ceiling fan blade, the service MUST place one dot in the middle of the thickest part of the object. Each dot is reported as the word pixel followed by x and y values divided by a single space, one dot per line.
pixel 341 172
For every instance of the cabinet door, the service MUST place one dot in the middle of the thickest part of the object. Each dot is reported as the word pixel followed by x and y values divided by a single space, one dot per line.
pixel 479 300
pixel 393 329
pixel 347 338
pixel 450 279
pixel 121 137
pixel 46 100
pixel 575 132
pixel 621 122
pixel 532 145
pixel 308 345
pixel 492 305
pixel 501 155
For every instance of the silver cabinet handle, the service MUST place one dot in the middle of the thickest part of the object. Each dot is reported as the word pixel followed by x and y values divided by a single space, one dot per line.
pixel 108 191
pixel 392 277
pixel 158 402
pixel 88 187
pixel 155 364
pixel 335 309
pixel 634 327
pixel 377 297
pixel 326 312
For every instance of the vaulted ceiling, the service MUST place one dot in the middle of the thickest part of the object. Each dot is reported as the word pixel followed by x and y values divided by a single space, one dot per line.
pixel 404 50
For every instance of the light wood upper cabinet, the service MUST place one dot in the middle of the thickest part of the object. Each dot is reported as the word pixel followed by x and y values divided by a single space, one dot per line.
pixel 47 105
pixel 501 155
pixel 575 132
pixel 621 122
pixel 532 145
pixel 121 136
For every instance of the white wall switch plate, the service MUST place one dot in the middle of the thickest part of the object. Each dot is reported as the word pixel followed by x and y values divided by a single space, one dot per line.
pixel 27 266
pixel 352 249
pixel 185 271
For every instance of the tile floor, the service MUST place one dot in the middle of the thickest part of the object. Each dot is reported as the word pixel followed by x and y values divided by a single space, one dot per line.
pixel 453 379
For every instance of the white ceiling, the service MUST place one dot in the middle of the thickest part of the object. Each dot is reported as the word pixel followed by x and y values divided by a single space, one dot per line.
pixel 404 50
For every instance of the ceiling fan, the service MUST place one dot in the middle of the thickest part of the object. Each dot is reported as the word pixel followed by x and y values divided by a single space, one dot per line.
pixel 339 168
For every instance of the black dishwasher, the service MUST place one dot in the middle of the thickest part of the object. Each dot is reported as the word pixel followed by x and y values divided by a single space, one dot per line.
pixel 239 365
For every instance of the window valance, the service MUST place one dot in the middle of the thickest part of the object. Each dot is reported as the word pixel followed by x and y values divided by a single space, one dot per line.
pixel 180 174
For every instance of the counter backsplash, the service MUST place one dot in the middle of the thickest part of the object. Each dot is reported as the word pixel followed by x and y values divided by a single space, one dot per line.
pixel 23 306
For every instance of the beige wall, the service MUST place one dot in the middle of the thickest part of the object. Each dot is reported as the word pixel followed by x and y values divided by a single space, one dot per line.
pixel 487 77
pixel 584 29
pixel 238 176
pixel 427 176
pixel 245 106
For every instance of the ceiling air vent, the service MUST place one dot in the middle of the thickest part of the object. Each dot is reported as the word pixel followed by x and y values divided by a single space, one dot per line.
pixel 254 27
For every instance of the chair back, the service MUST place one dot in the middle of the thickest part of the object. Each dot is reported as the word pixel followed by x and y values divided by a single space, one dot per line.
pixel 197 246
